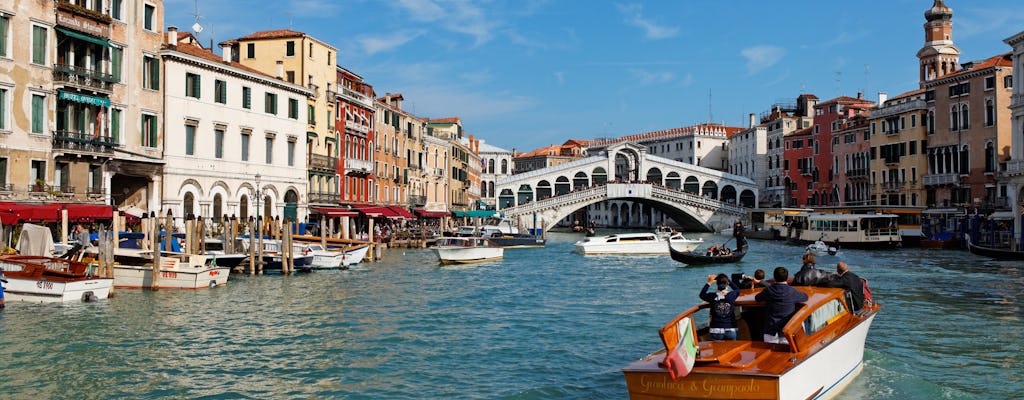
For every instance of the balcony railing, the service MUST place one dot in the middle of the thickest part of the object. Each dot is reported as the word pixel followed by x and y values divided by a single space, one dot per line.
pixel 323 197
pixel 1014 167
pixel 894 186
pixel 359 128
pixel 940 179
pixel 898 109
pixel 321 162
pixel 80 142
pixel 1016 99
pixel 357 165
pixel 331 95
pixel 83 77
pixel 357 97
pixel 315 89
pixel 857 173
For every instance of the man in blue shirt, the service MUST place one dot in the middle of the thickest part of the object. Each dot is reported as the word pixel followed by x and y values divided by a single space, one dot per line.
pixel 781 302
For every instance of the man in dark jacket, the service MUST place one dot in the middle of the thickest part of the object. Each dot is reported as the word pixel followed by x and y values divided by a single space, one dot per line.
pixel 781 302
pixel 851 282
pixel 722 304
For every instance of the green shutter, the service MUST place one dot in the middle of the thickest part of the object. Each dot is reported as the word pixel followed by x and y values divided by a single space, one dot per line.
pixel 3 36
pixel 37 114
pixel 115 125
pixel 154 75
pixel 246 98
pixel 3 109
pixel 115 63
pixel 38 45
pixel 198 86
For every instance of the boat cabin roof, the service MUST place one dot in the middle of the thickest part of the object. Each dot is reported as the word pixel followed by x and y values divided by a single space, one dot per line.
pixel 844 217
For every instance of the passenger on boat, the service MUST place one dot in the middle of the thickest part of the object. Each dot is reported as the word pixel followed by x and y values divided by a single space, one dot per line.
pixel 851 282
pixel 757 281
pixel 780 301
pixel 722 305
pixel 808 275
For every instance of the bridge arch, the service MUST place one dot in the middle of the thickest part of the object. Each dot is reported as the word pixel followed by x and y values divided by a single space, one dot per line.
pixel 692 185
pixel 710 189
pixel 654 175
pixel 599 175
pixel 543 190
pixel 525 194
pixel 562 186
pixel 579 181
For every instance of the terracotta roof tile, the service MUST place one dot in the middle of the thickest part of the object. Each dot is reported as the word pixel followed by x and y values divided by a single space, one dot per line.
pixel 272 34
pixel 1001 60
pixel 197 50
pixel 451 120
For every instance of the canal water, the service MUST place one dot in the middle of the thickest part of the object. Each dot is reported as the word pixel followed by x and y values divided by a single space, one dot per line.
pixel 540 324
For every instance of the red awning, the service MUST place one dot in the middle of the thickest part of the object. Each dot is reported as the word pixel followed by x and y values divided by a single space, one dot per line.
pixel 369 211
pixel 402 212
pixel 335 211
pixel 431 214
pixel 13 213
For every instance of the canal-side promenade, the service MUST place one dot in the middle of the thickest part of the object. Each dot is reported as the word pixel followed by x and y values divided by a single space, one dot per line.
pixel 541 324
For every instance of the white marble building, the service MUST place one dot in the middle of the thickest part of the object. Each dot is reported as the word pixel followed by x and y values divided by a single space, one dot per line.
pixel 225 127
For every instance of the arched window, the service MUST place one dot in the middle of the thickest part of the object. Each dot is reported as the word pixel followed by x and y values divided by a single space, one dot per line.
pixel 218 207
pixel 931 122
pixel 490 167
pixel 990 113
pixel 189 204
pixel 954 118
pixel 504 166
pixel 990 157
pixel 964 117
pixel 243 208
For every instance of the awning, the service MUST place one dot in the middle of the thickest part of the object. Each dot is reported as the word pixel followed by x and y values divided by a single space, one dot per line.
pixel 335 211
pixel 430 214
pixel 369 211
pixel 402 212
pixel 87 38
pixel 13 213
pixel 475 213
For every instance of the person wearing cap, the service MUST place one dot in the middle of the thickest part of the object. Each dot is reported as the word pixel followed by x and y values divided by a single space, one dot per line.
pixel 722 303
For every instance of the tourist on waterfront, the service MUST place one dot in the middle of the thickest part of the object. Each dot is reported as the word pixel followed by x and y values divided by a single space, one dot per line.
pixel 722 303
pixel 780 301
pixel 851 282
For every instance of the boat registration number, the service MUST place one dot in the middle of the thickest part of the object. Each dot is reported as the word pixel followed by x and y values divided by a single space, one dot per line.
pixel 44 285
pixel 169 274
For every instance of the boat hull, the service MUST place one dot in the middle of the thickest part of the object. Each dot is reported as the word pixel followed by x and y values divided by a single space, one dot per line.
pixel 467 255
pixel 998 254
pixel 49 291
pixel 691 258
pixel 331 259
pixel 524 241
pixel 139 277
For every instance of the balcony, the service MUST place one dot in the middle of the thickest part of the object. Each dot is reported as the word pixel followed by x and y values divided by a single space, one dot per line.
pixel 78 142
pixel 439 172
pixel 331 95
pixel 898 109
pixel 323 197
pixel 888 187
pixel 357 166
pixel 357 97
pixel 315 89
pixel 83 77
pixel 320 162
pixel 1014 168
pixel 805 171
pixel 1017 100
pixel 357 129
pixel 940 179
pixel 857 173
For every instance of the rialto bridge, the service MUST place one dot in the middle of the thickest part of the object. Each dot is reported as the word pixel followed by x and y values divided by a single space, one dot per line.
pixel 697 198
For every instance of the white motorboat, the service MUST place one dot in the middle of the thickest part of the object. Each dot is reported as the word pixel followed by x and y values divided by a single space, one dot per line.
pixel 635 243
pixel 177 271
pixel 333 259
pixel 40 279
pixel 464 250
pixel 819 248
pixel 823 352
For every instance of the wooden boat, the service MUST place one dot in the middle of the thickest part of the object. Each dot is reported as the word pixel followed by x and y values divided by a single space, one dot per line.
pixel 824 353
pixel 464 250
pixel 941 240
pixel 177 271
pixel 991 252
pixel 335 259
pixel 697 257
pixel 41 279
pixel 517 240
pixel 634 243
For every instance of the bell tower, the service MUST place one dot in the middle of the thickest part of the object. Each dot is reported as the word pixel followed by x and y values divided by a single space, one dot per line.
pixel 939 56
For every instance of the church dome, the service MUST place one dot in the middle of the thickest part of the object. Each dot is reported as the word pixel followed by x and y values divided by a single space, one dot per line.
pixel 939 10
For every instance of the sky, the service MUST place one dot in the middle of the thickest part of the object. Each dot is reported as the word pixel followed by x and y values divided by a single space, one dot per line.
pixel 532 73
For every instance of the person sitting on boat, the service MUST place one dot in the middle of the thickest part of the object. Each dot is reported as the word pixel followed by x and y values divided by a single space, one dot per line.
pixel 722 304
pixel 808 275
pixel 851 282
pixel 757 281
pixel 780 301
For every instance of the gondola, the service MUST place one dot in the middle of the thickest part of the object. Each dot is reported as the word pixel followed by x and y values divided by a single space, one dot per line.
pixel 695 258
pixel 998 254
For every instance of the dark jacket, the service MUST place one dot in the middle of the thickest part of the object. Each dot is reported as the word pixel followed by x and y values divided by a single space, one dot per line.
pixel 723 314
pixel 781 302
pixel 851 282
pixel 808 275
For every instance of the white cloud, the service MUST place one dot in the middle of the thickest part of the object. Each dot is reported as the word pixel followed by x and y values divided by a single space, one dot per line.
pixel 377 44
pixel 422 10
pixel 312 8
pixel 459 16
pixel 761 57
pixel 634 16
pixel 646 78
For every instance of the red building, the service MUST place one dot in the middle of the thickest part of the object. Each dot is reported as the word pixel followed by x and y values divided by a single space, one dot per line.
pixel 829 116
pixel 355 126
pixel 798 166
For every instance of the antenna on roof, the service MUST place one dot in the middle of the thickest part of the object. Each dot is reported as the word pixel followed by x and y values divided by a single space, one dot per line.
pixel 196 27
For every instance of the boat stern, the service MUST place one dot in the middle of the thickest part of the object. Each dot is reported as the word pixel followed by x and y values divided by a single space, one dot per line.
pixel 647 380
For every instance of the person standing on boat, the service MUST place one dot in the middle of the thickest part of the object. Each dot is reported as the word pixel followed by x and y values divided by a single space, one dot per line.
pixel 780 299
pixel 722 304
pixel 851 282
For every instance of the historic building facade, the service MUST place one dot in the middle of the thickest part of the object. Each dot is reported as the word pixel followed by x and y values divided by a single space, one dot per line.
pixel 899 156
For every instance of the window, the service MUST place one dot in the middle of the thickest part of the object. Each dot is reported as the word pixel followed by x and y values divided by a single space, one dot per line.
pixel 990 82
pixel 116 55
pixel 147 17
pixel 328 58
pixel 190 140
pixel 3 172
pixel 3 109
pixel 312 115
pixel 289 48
pixel 38 113
pixel 115 125
pixel 39 45
pixel 220 91
pixel 270 104
pixel 293 109
pixel 311 50
pixel 954 119
pixel 1008 81
pixel 270 150
pixel 913 120
pixel 5 21
pixel 150 73
pixel 291 153
pixel 192 85
pixel 963 117
pixel 289 76
pixel 245 145
pixel 990 113
pixel 218 142
pixel 115 9
pixel 149 130
pixel 37 170
pixel 246 97
pixel 250 50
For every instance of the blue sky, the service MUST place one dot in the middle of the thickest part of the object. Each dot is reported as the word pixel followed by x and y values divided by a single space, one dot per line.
pixel 531 73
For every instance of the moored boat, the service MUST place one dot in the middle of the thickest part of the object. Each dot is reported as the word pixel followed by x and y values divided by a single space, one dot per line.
pixel 177 271
pixel 41 279
pixel 824 353
pixel 334 259
pixel 464 250
pixel 635 243
pixel 992 252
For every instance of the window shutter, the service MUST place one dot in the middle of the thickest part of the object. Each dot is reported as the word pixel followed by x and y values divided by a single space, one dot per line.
pixel 115 125
pixel 115 63
pixel 38 45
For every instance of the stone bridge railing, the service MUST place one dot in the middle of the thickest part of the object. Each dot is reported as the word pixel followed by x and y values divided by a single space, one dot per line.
pixel 657 192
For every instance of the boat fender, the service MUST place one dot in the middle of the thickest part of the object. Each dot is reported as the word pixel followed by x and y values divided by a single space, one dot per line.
pixel 213 284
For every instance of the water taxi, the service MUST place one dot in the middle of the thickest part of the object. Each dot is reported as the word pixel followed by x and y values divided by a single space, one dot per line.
pixel 824 353
pixel 635 243
pixel 465 250
pixel 177 271
pixel 335 259
pixel 40 279
pixel 858 231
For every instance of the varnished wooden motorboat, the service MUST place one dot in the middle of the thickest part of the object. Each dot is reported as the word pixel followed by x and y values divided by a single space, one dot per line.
pixel 991 252
pixel 40 279
pixel 824 354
